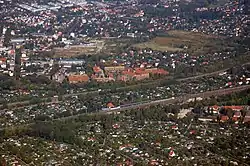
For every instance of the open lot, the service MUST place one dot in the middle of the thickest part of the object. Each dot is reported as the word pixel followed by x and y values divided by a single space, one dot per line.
pixel 73 51
pixel 93 47
pixel 193 42
pixel 107 46
pixel 115 45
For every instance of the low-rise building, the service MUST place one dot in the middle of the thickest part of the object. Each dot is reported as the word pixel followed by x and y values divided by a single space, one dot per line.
pixel 73 79
pixel 114 68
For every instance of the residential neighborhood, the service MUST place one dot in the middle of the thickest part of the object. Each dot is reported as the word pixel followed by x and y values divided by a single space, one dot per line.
pixel 134 137
pixel 123 83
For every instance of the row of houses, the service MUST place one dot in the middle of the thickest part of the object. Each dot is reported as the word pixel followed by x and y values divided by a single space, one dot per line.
pixel 238 113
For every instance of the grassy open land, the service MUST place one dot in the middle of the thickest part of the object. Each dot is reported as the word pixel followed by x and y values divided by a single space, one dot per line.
pixel 104 46
pixel 75 50
pixel 218 3
pixel 193 42
pixel 115 45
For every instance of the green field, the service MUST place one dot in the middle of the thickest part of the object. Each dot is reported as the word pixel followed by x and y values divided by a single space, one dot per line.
pixel 192 42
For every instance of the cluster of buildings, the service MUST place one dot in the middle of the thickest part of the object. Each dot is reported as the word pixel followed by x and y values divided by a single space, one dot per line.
pixel 29 28
pixel 107 74
pixel 127 139
pixel 41 28
pixel 115 100
pixel 34 7
pixel 120 73
pixel 12 59
pixel 237 113
pixel 44 153
pixel 44 23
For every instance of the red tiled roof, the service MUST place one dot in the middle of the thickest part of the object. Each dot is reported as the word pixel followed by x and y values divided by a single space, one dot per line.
pixel 234 107
pixel 111 75
pixel 127 72
pixel 116 126
pixel 140 71
pixel 3 59
pixel 224 118
pixel 141 76
pixel 174 127
pixel 123 78
pixel 160 71
pixel 96 69
pixel 237 114
pixel 192 132
pixel 235 119
pixel 153 162
pixel 110 105
pixel 157 71
pixel 246 119
pixel 215 107
pixel 78 78
pixel 12 52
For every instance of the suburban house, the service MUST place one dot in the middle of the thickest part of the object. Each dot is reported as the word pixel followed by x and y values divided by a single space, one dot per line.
pixel 216 108
pixel 110 105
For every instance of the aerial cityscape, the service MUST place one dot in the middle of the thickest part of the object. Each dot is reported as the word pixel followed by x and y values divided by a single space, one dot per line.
pixel 124 82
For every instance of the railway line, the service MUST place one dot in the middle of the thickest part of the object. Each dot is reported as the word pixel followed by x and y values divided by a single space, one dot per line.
pixel 144 104
pixel 96 92
pixel 180 99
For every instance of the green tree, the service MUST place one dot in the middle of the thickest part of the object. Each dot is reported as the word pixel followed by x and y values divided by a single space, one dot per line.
pixel 230 113
pixel 35 100
pixel 7 37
